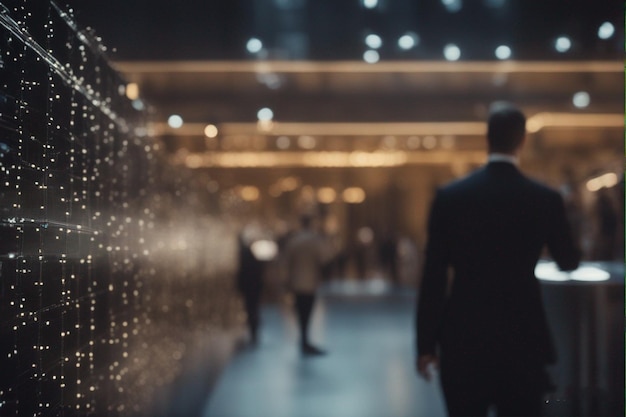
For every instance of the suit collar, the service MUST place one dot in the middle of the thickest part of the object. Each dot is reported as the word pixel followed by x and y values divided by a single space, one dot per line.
pixel 502 157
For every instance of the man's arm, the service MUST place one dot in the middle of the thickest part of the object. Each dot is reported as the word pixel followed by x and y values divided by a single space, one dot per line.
pixel 432 290
pixel 561 244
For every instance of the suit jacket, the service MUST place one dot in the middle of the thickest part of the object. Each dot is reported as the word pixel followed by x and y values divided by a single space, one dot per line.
pixel 486 233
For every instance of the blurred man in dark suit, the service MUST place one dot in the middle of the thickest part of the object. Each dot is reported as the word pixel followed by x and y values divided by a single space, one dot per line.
pixel 250 284
pixel 480 316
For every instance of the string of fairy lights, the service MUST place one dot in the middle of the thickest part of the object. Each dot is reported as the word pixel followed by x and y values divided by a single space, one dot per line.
pixel 72 208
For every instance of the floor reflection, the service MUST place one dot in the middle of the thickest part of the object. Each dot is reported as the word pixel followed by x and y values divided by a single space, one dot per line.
pixel 368 372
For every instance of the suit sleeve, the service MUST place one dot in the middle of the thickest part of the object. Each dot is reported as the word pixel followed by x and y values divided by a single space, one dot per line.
pixel 432 291
pixel 561 244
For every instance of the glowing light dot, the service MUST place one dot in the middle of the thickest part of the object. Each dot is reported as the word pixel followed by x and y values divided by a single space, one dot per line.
pixel 452 52
pixel 581 99
pixel 563 44
pixel 370 4
pixel 249 193
pixel 408 40
pixel 353 195
pixel 175 121
pixel 326 195
pixel 503 52
pixel 283 142
pixel 265 114
pixel 254 45
pixel 453 6
pixel 132 91
pixel 606 30
pixel 210 131
pixel 371 57
pixel 307 142
pixel 373 41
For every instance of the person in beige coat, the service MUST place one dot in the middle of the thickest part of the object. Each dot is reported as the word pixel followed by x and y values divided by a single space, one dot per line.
pixel 306 252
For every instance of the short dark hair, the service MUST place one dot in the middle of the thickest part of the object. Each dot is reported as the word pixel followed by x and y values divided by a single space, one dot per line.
pixel 506 128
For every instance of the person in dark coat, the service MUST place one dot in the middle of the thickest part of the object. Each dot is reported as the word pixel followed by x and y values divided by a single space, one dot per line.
pixel 250 285
pixel 480 316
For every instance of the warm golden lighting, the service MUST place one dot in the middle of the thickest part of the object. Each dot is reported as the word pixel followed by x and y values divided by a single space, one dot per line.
pixel 326 195
pixel 249 193
pixel 324 159
pixel 377 159
pixel 210 131
pixel 193 161
pixel 306 132
pixel 353 195
pixel 429 142
pixel 265 125
pixel 306 142
pixel 573 120
pixel 132 91
pixel 413 130
pixel 412 67
pixel 289 184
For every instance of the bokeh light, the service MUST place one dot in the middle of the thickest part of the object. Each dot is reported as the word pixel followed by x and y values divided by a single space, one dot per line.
pixel 373 41
pixel 371 56
pixel 606 30
pixel 175 121
pixel 581 99
pixel 211 131
pixel 254 45
pixel 503 52
pixel 452 52
pixel 265 114
pixel 562 44
pixel 408 41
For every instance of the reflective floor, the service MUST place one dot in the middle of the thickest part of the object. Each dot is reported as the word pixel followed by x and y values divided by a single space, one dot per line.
pixel 368 371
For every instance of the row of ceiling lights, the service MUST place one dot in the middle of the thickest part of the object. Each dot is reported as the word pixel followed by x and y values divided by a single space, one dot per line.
pixel 324 195
pixel 451 51
pixel 265 115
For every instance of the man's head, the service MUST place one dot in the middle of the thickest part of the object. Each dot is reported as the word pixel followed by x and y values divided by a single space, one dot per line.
pixel 506 128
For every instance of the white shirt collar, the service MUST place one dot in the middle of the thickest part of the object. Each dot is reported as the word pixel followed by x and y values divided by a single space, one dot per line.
pixel 503 157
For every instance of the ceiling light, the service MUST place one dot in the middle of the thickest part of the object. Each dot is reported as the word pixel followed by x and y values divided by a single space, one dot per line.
pixel 581 99
pixel 373 41
pixel 371 57
pixel 503 52
pixel 175 121
pixel 369 4
pixel 606 30
pixel 563 44
pixel 265 114
pixel 452 52
pixel 408 41
pixel 254 45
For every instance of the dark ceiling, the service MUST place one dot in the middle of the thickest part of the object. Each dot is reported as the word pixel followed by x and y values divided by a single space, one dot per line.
pixel 335 29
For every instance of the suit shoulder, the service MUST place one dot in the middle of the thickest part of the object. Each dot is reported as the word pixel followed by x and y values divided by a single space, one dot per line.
pixel 462 183
pixel 540 187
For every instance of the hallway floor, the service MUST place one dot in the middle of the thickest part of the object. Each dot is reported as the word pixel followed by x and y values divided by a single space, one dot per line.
pixel 368 371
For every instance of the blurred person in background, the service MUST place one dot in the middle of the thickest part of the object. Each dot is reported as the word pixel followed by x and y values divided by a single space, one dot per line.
pixel 306 253
pixel 250 281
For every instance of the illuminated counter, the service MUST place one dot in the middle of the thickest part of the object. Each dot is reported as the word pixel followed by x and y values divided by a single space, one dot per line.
pixel 588 272
pixel 585 309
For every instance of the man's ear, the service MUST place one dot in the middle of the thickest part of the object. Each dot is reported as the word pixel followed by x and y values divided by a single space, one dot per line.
pixel 522 142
